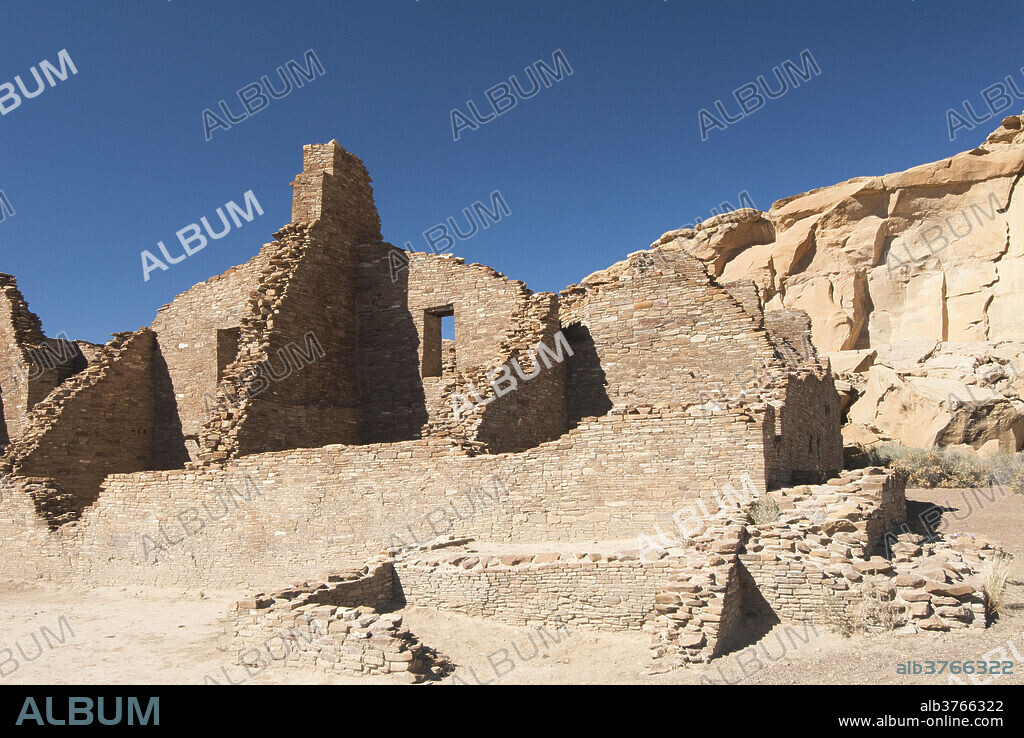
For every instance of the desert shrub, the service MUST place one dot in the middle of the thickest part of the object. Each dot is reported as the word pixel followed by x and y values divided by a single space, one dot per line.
pixel 871 609
pixel 838 614
pixel 941 467
pixel 764 510
pixel 1008 470
pixel 994 577
pixel 878 608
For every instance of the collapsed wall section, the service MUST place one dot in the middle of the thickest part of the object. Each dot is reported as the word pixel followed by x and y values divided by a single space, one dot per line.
pixel 31 364
pixel 338 626
pixel 295 380
pixel 97 423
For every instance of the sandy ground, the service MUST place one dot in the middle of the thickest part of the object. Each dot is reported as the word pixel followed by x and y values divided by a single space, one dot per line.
pixel 145 635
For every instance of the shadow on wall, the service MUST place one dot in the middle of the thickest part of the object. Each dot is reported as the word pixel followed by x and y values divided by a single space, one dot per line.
pixel 4 438
pixel 392 400
pixel 758 616
pixel 169 450
pixel 586 393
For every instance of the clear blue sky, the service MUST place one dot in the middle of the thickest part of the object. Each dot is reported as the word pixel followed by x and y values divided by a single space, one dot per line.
pixel 109 162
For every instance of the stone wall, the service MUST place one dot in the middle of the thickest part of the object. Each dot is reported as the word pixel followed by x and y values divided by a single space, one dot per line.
pixel 662 333
pixel 189 333
pixel 809 441
pixel 392 390
pixel 599 590
pixel 31 365
pixel 819 561
pixel 338 626
pixel 305 301
pixel 273 516
pixel 97 423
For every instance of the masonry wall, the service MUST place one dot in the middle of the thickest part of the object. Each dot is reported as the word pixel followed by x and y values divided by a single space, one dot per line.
pixel 391 389
pixel 187 342
pixel 97 423
pixel 295 380
pixel 810 447
pixel 271 517
pixel 663 332
pixel 588 590
pixel 533 410
pixel 319 402
pixel 23 382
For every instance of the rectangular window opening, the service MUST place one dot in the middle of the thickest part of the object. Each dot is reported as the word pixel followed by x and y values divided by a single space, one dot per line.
pixel 438 339
pixel 227 349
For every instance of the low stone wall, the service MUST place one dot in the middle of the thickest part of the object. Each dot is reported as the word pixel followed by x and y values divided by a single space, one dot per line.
pixel 336 626
pixel 697 615
pixel 267 518
pixel 815 562
pixel 604 591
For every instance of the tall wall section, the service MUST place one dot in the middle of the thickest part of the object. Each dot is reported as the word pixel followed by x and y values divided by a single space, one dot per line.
pixel 295 382
pixel 190 334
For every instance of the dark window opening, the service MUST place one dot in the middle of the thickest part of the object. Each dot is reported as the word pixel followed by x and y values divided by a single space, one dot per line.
pixel 227 350
pixel 434 327
pixel 586 386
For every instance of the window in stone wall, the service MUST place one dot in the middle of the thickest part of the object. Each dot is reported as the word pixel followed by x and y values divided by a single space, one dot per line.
pixel 433 335
pixel 227 349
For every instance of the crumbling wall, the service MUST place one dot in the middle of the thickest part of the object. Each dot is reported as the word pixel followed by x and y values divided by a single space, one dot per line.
pixel 517 399
pixel 302 323
pixel 790 332
pixel 410 372
pixel 338 626
pixel 187 332
pixel 31 364
pixel 97 423
pixel 663 332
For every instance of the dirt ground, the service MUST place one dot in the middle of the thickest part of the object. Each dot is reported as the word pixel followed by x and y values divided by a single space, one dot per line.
pixel 145 635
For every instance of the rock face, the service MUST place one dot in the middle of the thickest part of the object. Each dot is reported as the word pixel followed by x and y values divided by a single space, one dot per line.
pixel 935 253
pixel 944 394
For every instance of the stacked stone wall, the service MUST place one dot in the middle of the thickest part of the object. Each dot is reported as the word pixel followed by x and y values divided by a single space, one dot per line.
pixel 267 517
pixel 187 331
pixel 97 423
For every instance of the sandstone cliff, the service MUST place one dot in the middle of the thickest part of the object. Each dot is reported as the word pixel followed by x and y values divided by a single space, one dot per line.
pixel 932 257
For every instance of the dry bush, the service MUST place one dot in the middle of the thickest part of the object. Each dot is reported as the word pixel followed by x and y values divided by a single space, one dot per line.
pixel 875 610
pixel 994 577
pixel 878 609
pixel 836 613
pixel 764 510
pixel 940 467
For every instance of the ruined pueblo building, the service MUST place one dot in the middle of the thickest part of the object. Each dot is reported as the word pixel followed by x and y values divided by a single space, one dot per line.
pixel 301 416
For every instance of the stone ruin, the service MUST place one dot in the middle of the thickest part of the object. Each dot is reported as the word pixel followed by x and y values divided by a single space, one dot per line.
pixel 302 414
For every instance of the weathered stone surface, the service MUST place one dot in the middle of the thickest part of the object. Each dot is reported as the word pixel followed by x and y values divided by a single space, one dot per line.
pixel 935 253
